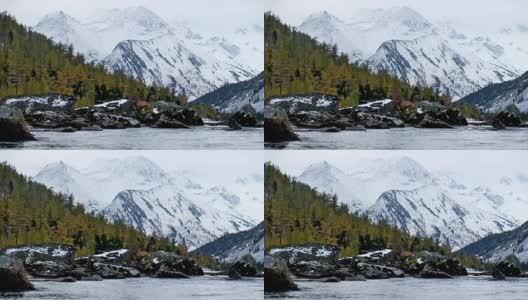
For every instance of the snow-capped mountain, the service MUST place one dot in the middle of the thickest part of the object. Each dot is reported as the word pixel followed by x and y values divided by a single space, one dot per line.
pixel 404 193
pixel 234 96
pixel 139 192
pixel 139 42
pixel 403 42
pixel 497 247
pixel 233 246
pixel 498 96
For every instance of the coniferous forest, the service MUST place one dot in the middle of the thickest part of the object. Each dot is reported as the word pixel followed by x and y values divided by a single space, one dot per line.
pixel 295 213
pixel 295 63
pixel 33 64
pixel 32 213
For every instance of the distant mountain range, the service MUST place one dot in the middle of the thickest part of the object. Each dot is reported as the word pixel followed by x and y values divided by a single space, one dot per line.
pixel 140 193
pixel 139 42
pixel 497 247
pixel 233 246
pixel 404 193
pixel 403 42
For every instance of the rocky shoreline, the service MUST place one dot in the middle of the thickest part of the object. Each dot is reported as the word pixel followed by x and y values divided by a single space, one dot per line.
pixel 321 263
pixel 57 113
pixel 320 112
pixel 19 266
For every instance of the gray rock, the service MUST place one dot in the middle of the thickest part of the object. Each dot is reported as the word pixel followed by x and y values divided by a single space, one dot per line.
pixel 13 127
pixel 13 277
pixel 165 123
pixel 277 277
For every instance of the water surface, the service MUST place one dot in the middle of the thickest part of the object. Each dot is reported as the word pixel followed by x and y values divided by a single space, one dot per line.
pixel 410 138
pixel 467 288
pixel 145 138
pixel 206 287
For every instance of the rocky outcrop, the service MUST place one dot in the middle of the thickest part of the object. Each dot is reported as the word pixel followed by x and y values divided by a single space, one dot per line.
pixel 243 269
pixel 109 121
pixel 277 127
pixel 245 116
pixel 430 273
pixel 165 123
pixel 171 262
pixel 45 102
pixel 313 259
pixel 13 127
pixel 277 277
pixel 13 277
pixel 508 269
pixel 165 272
pixel 508 119
pixel 428 122
pixel 436 262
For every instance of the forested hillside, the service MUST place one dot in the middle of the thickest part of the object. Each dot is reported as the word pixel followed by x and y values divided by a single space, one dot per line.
pixel 33 64
pixel 32 213
pixel 296 213
pixel 295 63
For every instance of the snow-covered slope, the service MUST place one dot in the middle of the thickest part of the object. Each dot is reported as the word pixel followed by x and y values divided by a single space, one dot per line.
pixel 139 42
pixel 233 246
pixel 431 61
pixel 498 96
pixel 191 218
pixel 404 193
pixel 232 97
pixel 403 42
pixel 140 193
pixel 497 247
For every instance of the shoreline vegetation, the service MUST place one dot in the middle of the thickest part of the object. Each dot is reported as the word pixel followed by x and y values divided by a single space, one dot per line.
pixel 310 236
pixel 310 85
pixel 45 236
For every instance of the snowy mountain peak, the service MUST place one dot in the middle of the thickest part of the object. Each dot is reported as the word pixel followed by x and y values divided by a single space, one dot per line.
pixel 57 168
pixel 323 168
pixel 137 17
pixel 59 17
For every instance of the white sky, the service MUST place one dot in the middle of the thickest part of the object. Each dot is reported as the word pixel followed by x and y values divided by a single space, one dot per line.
pixel 473 15
pixel 204 167
pixel 209 17
pixel 468 167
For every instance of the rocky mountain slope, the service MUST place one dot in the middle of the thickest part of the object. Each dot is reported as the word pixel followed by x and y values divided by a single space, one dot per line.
pixel 233 246
pixel 404 193
pixel 403 42
pixel 138 192
pixel 497 247
pixel 139 42
pixel 496 97
pixel 232 97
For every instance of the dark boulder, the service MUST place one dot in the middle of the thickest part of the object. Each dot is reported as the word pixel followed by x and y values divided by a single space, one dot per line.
pixel 13 127
pixel 109 121
pixel 428 122
pixel 186 116
pixel 48 119
pixel 245 116
pixel 451 116
pixel 372 271
pixel 277 127
pixel 109 271
pixel 373 121
pixel 497 124
pixel 429 273
pixel 49 269
pixel 508 119
pixel 165 123
pixel 171 262
pixel 233 124
pixel 508 269
pixel 165 272
pixel 13 277
pixel 244 269
pixel 437 262
pixel 497 275
pixel 277 277
pixel 234 275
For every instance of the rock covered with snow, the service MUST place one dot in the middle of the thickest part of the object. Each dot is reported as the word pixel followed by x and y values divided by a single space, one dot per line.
pixel 32 253
pixel 308 258
pixel 48 102
pixel 310 102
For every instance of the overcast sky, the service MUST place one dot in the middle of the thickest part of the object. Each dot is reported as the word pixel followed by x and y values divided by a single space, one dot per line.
pixel 474 15
pixel 468 167
pixel 205 16
pixel 206 167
